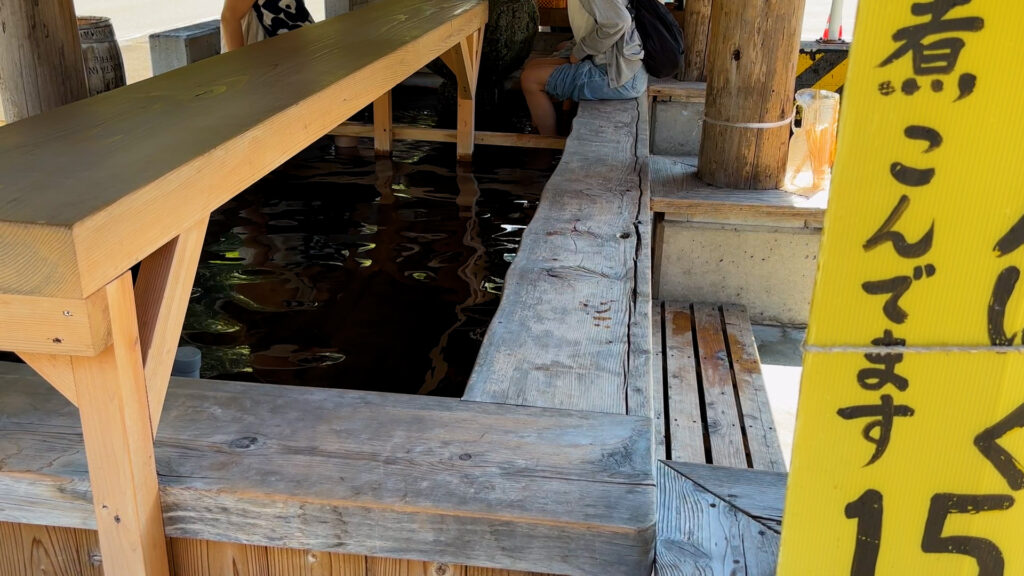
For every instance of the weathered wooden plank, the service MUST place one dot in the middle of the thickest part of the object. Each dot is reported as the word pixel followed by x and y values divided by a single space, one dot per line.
pixel 676 188
pixel 700 534
pixel 562 337
pixel 290 90
pixel 639 377
pixel 658 377
pixel 328 470
pixel 758 493
pixel 676 91
pixel 725 431
pixel 758 424
pixel 686 434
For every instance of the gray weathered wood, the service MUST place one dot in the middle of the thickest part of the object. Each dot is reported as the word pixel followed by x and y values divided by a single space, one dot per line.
pixel 672 90
pixel 640 379
pixel 675 188
pixel 758 493
pixel 570 332
pixel 700 534
pixel 725 431
pixel 658 378
pixel 685 425
pixel 551 491
pixel 758 424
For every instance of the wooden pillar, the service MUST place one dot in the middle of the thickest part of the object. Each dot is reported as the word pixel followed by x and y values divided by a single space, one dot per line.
pixel 696 34
pixel 464 60
pixel 382 134
pixel 752 61
pixel 40 57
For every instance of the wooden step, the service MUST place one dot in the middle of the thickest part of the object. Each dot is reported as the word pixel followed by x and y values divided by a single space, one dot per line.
pixel 550 491
pixel 676 191
pixel 715 406
pixel 718 521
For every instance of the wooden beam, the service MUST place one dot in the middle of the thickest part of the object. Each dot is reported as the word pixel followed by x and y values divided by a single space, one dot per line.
pixel 56 370
pixel 67 326
pixel 382 131
pixel 424 134
pixel 118 435
pixel 323 469
pixel 162 293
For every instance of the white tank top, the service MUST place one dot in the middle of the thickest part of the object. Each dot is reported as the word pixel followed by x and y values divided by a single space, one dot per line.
pixel 581 22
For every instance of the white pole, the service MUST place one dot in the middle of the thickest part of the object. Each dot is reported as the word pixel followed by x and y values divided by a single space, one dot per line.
pixel 835 21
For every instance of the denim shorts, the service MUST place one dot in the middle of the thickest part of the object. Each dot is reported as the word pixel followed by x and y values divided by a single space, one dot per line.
pixel 587 81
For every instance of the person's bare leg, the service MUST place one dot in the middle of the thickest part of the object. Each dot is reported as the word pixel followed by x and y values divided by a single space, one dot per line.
pixel 534 79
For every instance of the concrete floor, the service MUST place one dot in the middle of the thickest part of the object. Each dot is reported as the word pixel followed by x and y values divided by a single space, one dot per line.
pixel 781 350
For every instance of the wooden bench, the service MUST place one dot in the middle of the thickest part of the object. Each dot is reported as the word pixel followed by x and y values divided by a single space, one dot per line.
pixel 722 481
pixel 336 473
pixel 573 330
pixel 91 189
pixel 716 409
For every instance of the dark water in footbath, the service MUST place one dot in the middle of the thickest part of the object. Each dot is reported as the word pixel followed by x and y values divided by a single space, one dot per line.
pixel 341 270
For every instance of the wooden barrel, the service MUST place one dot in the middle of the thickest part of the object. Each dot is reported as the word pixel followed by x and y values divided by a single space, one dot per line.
pixel 104 67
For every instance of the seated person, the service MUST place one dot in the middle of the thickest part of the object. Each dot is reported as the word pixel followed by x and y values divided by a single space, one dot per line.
pixel 243 22
pixel 605 63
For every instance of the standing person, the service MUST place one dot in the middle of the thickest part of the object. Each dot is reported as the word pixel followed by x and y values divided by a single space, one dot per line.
pixel 605 63
pixel 243 22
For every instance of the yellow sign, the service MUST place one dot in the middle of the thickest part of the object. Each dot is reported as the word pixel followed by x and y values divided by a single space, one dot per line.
pixel 910 430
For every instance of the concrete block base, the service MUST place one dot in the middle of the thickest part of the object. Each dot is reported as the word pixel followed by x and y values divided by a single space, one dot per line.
pixel 768 269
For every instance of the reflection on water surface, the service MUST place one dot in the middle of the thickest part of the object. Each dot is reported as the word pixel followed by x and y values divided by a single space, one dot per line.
pixel 342 270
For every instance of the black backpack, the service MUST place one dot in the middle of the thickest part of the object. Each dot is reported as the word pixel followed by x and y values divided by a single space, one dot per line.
pixel 662 39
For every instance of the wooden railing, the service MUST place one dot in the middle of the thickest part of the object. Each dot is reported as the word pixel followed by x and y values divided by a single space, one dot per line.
pixel 91 189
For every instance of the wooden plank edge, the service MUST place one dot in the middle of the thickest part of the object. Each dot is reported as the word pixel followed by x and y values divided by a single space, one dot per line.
pixel 405 132
pixel 766 509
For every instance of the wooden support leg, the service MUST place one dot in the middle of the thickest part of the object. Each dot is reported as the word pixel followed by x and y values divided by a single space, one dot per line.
pixel 114 408
pixel 161 295
pixel 464 60
pixel 382 136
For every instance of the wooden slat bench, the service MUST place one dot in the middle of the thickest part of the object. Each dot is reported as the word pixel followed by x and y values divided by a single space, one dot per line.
pixel 716 408
pixel 93 188
pixel 722 481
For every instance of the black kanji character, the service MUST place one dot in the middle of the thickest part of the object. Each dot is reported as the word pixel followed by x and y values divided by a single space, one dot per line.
pixel 884 415
pixel 939 56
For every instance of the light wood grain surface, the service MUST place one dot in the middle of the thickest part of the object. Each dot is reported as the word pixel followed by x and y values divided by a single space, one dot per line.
pixel 568 333
pixel 138 162
pixel 551 491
